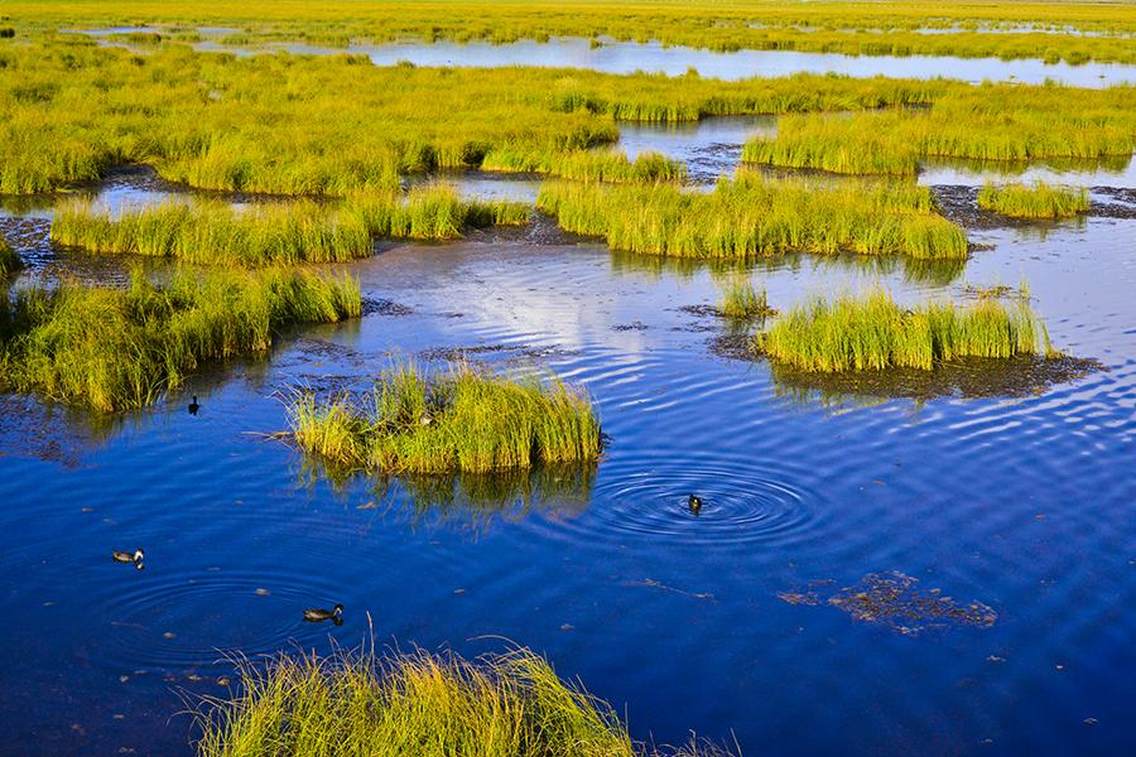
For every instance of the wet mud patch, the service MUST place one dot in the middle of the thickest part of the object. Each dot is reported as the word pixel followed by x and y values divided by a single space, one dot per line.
pixel 897 601
pixel 467 354
pixel 960 205
pixel 633 326
pixel 379 306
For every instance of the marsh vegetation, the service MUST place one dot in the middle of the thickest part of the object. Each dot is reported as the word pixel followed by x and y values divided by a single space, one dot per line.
pixel 119 349
pixel 358 703
pixel 458 420
pixel 1037 201
pixel 301 231
pixel 875 333
pixel 752 215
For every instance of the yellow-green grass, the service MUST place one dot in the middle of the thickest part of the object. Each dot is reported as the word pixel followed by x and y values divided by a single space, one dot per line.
pixel 213 231
pixel 754 216
pixel 881 28
pixel 1011 124
pixel 120 349
pixel 10 261
pixel 1038 201
pixel 330 125
pixel 461 420
pixel 359 703
pixel 742 301
pixel 875 333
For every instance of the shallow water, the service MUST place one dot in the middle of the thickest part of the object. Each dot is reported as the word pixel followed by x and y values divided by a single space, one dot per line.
pixel 1024 505
pixel 1118 172
pixel 653 57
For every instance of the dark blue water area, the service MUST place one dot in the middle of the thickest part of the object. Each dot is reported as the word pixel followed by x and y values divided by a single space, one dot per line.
pixel 718 623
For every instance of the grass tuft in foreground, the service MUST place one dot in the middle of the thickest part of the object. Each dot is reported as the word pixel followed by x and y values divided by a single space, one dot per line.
pixel 461 421
pixel 752 216
pixel 9 259
pixel 212 232
pixel 508 705
pixel 120 349
pixel 874 333
pixel 1038 201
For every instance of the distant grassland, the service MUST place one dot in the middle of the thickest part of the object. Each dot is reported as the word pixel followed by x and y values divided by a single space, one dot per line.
pixel 120 349
pixel 874 333
pixel 990 122
pixel 828 26
pixel 331 125
pixel 754 216
pixel 1036 201
pixel 214 232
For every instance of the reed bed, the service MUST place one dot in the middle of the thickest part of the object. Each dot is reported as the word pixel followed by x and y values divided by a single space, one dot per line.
pixel 591 165
pixel 121 349
pixel 359 703
pixel 754 216
pixel 216 232
pixel 459 421
pixel 1038 201
pixel 1007 30
pixel 10 261
pixel 875 333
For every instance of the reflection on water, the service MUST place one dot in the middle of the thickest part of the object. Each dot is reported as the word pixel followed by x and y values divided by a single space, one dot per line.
pixel 1112 171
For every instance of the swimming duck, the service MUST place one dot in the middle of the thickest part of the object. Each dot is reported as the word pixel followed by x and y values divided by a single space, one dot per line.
pixel 132 557
pixel 193 406
pixel 318 615
pixel 694 503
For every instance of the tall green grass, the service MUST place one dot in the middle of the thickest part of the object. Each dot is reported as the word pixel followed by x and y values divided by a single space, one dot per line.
pixel 303 231
pixel 752 216
pixel 874 333
pixel 120 349
pixel 460 421
pixel 357 703
pixel 10 261
pixel 1037 201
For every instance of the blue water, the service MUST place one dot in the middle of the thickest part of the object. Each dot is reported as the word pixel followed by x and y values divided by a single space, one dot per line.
pixel 1024 504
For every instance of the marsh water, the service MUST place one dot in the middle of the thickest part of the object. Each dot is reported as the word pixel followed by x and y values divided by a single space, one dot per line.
pixel 718 622
pixel 874 570
pixel 616 57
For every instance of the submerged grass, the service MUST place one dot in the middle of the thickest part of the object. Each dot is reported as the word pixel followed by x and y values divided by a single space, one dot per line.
pixel 120 349
pixel 752 215
pixel 357 703
pixel 1037 201
pixel 211 232
pixel 461 421
pixel 874 333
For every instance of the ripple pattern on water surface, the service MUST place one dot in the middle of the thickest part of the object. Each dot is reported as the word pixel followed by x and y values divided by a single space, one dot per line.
pixel 745 503
pixel 178 621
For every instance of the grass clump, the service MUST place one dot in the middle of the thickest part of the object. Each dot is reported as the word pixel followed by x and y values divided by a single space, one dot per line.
pixel 609 166
pixel 741 301
pixel 874 333
pixel 507 705
pixel 1038 201
pixel 462 421
pixel 213 231
pixel 120 349
pixel 9 259
pixel 752 216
